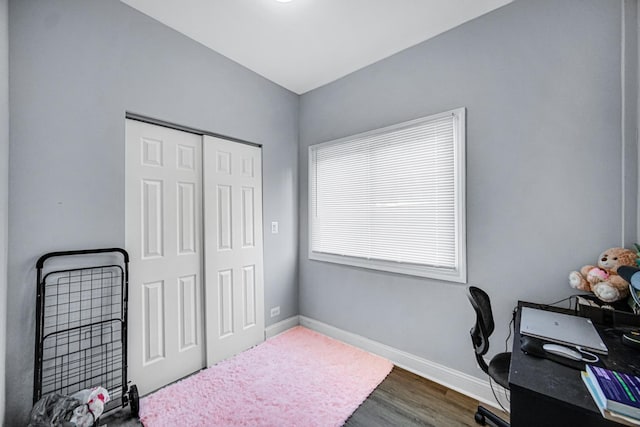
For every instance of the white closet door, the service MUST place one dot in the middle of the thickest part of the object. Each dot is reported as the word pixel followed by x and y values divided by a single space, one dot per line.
pixel 163 237
pixel 234 288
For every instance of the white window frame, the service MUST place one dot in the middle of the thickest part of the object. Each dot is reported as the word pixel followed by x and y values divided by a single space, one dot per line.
pixel 458 274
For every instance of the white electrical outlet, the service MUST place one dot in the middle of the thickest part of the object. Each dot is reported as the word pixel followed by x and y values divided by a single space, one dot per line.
pixel 274 227
pixel 275 311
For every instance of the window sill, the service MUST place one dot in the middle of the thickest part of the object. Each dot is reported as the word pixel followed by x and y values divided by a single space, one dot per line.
pixel 450 275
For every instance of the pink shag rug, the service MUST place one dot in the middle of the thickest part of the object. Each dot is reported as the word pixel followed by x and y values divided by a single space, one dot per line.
pixel 298 378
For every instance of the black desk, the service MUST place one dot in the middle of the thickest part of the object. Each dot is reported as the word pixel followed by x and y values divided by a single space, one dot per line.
pixel 545 393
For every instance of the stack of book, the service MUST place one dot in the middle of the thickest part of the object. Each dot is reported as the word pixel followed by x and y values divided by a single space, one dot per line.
pixel 616 394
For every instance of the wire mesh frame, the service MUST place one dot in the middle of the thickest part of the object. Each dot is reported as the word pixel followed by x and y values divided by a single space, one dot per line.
pixel 81 328
pixel 83 357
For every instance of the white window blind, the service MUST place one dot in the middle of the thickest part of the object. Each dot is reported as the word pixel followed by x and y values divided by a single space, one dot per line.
pixel 392 199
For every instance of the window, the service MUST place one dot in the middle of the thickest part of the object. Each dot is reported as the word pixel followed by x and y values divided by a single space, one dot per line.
pixel 392 199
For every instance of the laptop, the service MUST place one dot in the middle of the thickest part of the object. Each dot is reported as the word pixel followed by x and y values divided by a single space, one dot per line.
pixel 561 328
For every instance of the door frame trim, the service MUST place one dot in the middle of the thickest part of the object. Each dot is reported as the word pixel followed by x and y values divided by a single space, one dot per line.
pixel 159 122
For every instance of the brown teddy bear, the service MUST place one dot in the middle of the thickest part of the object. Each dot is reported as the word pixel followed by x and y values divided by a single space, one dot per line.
pixel 603 280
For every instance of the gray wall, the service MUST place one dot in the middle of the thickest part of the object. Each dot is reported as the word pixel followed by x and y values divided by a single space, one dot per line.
pixel 637 135
pixel 541 81
pixel 629 77
pixel 76 67
pixel 4 186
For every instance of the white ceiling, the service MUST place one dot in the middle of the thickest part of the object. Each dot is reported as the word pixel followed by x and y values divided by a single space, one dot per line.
pixel 304 44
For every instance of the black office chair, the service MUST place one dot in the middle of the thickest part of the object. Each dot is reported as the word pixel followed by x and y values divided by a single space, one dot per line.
pixel 498 367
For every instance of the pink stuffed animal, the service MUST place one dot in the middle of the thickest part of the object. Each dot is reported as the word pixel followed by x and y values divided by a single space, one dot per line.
pixel 603 280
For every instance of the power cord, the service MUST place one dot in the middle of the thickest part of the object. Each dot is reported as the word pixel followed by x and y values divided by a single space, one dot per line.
pixel 594 357
pixel 506 395
pixel 511 328
pixel 573 306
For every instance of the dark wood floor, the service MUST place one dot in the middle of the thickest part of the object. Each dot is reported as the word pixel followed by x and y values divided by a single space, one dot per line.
pixel 402 399
pixel 405 399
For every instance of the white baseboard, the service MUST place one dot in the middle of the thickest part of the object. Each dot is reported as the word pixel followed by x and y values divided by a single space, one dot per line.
pixel 455 380
pixel 281 326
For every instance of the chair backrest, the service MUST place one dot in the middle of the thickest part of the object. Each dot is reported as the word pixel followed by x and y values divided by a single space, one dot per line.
pixel 484 324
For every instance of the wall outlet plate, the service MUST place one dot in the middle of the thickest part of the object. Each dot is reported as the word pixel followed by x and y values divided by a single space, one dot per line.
pixel 275 311
pixel 274 227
